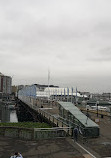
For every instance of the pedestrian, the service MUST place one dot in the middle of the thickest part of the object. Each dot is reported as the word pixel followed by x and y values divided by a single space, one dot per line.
pixel 17 155
pixel 75 134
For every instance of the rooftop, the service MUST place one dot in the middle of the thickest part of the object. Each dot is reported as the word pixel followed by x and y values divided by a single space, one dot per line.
pixel 78 114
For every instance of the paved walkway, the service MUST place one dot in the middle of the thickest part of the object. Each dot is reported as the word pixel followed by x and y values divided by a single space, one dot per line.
pixel 59 148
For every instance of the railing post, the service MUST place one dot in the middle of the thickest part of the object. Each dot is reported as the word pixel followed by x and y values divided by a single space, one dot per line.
pixel 71 132
pixel 33 135
pixel 57 123
pixel 68 130
pixel 53 119
pixel 62 123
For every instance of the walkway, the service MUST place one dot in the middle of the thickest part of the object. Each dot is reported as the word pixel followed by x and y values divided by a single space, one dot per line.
pixel 39 149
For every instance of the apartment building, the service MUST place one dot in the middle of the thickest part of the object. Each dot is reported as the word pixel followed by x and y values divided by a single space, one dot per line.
pixel 5 84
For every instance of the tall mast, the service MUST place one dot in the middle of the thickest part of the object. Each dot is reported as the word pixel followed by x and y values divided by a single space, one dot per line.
pixel 48 81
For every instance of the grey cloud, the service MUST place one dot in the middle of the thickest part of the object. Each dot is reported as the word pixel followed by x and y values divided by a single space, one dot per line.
pixel 67 36
pixel 101 59
pixel 106 51
pixel 103 55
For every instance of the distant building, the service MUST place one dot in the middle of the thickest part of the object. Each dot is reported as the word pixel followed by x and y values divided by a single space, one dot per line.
pixel 42 87
pixel 14 89
pixel 51 92
pixel 103 96
pixel 85 93
pixel 19 87
pixel 96 96
pixel 5 84
pixel 106 96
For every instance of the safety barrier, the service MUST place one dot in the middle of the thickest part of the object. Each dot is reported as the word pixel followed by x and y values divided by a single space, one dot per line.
pixel 34 133
pixel 49 133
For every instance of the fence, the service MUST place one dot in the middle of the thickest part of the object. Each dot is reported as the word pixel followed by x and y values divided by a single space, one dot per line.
pixel 34 134
pixel 49 133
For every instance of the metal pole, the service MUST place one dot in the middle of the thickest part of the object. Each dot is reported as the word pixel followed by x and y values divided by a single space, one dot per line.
pixel 67 94
pixel 97 103
pixel 97 110
pixel 76 96
pixel 72 95
pixel 87 116
pixel 48 84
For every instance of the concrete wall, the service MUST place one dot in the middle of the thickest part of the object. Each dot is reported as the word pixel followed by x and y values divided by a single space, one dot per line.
pixel 32 134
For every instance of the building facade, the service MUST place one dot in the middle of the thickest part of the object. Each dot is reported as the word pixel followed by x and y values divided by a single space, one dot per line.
pixel 5 84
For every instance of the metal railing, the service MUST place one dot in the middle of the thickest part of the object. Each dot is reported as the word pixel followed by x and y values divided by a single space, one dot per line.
pixel 34 133
pixel 49 133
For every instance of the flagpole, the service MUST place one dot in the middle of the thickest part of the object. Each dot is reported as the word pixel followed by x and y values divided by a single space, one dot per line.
pixel 72 96
pixel 67 94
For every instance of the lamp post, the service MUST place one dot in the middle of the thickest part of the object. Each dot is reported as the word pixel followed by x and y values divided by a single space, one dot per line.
pixel 97 103
pixel 87 115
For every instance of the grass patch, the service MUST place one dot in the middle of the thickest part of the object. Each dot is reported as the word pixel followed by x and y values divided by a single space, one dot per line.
pixel 27 124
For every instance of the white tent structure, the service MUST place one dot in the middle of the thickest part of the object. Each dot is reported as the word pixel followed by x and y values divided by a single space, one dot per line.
pixel 53 91
pixel 33 91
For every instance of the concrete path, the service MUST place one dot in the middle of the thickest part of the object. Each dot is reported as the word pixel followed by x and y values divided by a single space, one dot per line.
pixel 56 148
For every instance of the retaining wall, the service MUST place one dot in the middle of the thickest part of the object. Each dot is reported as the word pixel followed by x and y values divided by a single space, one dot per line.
pixel 33 134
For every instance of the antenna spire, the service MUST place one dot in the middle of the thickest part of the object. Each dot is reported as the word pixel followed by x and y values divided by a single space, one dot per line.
pixel 48 81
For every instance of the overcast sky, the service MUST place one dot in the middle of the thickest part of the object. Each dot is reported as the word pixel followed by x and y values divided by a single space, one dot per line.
pixel 72 38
